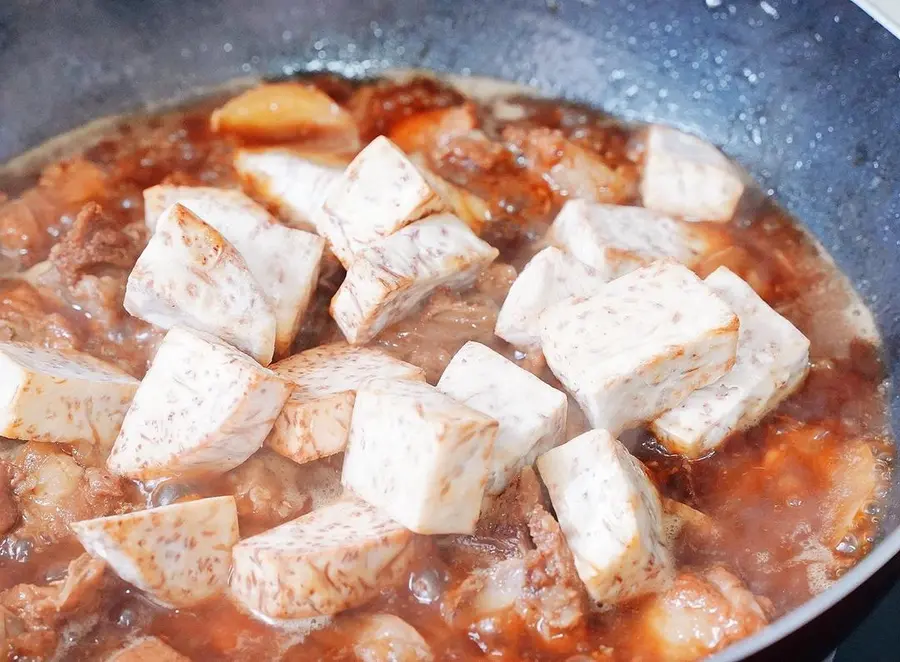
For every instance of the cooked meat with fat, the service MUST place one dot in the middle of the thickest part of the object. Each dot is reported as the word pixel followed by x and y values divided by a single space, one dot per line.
pixel 570 169
pixel 381 637
pixel 31 616
pixel 52 490
pixel 9 511
pixel 700 614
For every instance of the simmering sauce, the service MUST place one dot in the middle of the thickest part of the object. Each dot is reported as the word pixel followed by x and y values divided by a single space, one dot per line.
pixel 791 504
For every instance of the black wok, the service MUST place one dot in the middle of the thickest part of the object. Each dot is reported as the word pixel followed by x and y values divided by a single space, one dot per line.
pixel 805 95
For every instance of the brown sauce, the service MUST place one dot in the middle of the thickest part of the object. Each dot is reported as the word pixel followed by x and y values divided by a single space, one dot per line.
pixel 795 501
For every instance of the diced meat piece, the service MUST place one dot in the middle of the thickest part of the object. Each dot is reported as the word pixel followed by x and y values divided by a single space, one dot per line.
pixel 772 362
pixel 27 315
pixel 554 600
pixel 61 395
pixel 390 279
pixel 30 223
pixel 180 555
pixel 94 243
pixel 542 587
pixel 148 649
pixel 51 490
pixel 549 277
pixel 329 560
pixel 421 132
pixel 315 420
pixel 472 209
pixel 506 515
pixel 285 112
pixel 35 615
pixel 202 407
pixel 615 240
pixel 419 455
pixel 680 521
pixel 269 490
pixel 380 192
pixel 9 511
pixel 385 637
pixel 284 261
pixel 687 177
pixel 701 613
pixel 531 414
pixel 641 346
pixel 569 169
pixel 190 275
pixel 293 183
pixel 611 516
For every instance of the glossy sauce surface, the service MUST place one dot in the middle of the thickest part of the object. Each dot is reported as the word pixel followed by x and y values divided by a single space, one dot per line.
pixel 795 501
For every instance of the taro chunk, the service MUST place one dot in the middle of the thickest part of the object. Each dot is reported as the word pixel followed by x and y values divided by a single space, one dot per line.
pixel 190 275
pixel 388 280
pixel 61 395
pixel 380 192
pixel 419 455
pixel 615 240
pixel 315 420
pixel 531 414
pixel 772 362
pixel 332 559
pixel 180 555
pixel 687 177
pixel 611 517
pixel 548 278
pixel 284 261
pixel 294 184
pixel 202 407
pixel 640 346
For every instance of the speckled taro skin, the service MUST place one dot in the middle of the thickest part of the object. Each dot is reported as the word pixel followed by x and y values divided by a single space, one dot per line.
pixel 284 261
pixel 190 275
pixel 203 406
pixel 641 345
pixel 772 362
pixel 804 97
pixel 315 420
pixel 389 279
pixel 332 559
pixel 615 239
pixel 419 455
pixel 61 395
pixel 294 185
pixel 611 516
pixel 380 192
pixel 531 413
pixel 180 554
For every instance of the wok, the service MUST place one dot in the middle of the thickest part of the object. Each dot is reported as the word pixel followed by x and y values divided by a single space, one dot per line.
pixel 805 95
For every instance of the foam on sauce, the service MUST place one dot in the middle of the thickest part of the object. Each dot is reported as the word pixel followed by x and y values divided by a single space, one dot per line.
pixel 797 499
